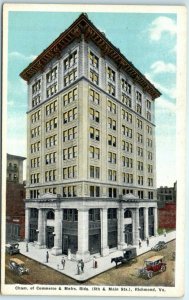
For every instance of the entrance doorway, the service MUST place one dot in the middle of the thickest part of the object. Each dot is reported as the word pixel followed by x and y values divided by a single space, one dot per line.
pixel 95 242
pixel 129 234
pixel 49 237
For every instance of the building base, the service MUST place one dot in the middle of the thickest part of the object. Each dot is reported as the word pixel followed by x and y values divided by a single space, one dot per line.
pixel 56 251
pixel 105 251
pixel 85 256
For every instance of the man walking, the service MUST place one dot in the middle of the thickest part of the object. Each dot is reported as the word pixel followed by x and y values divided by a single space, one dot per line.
pixel 147 242
pixel 63 263
pixel 47 257
pixel 82 266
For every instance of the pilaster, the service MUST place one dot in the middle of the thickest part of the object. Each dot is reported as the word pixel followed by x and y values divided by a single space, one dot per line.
pixel 104 232
pixel 83 235
pixel 57 249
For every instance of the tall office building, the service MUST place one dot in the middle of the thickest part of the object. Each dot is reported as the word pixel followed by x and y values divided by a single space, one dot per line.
pixel 91 174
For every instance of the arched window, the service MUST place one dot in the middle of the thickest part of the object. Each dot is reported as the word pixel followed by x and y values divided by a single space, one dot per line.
pixel 127 214
pixel 50 215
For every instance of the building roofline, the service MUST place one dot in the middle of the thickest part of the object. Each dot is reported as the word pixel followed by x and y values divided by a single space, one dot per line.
pixel 15 156
pixel 83 26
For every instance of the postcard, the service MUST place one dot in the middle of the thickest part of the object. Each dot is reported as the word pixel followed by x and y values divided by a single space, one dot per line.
pixel 94 114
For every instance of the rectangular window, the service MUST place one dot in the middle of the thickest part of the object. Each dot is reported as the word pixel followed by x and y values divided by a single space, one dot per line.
pixel 94 97
pixel 70 61
pixel 94 77
pixel 126 100
pixel 126 86
pixel 94 60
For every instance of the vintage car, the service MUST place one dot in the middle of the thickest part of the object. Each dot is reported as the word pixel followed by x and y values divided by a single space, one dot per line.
pixel 18 266
pixel 152 265
pixel 159 246
pixel 12 248
pixel 129 254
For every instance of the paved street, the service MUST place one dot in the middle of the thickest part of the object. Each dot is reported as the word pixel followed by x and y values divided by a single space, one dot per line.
pixel 125 275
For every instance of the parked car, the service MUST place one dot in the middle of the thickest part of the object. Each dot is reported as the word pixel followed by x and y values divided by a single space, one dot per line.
pixel 152 265
pixel 159 246
pixel 18 266
pixel 129 254
pixel 12 248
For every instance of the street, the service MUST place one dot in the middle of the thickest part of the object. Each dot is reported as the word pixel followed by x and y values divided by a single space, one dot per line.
pixel 125 274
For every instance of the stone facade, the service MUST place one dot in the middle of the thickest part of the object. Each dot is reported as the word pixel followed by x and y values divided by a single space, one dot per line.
pixel 91 175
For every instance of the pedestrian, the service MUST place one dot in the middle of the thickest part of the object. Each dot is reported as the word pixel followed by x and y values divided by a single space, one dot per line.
pixel 63 263
pixel 47 257
pixel 147 242
pixel 94 260
pixel 82 266
pixel 164 232
pixel 139 243
pixel 79 267
pixel 27 249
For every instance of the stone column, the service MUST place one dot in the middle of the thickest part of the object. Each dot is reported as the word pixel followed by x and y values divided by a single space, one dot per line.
pixel 155 222
pixel 27 224
pixel 146 229
pixel 83 235
pixel 136 235
pixel 104 232
pixel 41 230
pixel 121 232
pixel 57 249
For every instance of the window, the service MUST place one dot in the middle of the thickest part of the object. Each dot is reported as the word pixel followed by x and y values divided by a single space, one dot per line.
pixel 138 96
pixel 111 124
pixel 111 89
pixel 70 115
pixel 139 109
pixel 110 74
pixel 140 151
pixel 148 104
pixel 51 108
pixel 149 155
pixel 139 138
pixel 51 90
pixel 70 77
pixel 93 59
pixel 50 175
pixel 112 157
pixel 35 147
pixel 127 178
pixel 51 124
pixel 111 107
pixel 141 194
pixel 128 147
pixel 70 172
pixel 112 192
pixel 34 194
pixel 150 181
pixel 70 215
pixel 94 97
pixel 112 175
pixel 35 178
pixel 111 140
pixel 140 180
pixel 36 87
pixel 149 142
pixel 126 100
pixel 94 77
pixel 35 132
pixel 36 100
pixel 150 168
pixel 112 213
pixel 139 123
pixel 126 116
pixel 94 191
pixel 70 97
pixel 127 131
pixel 94 134
pixel 94 214
pixel 150 195
pixel 148 116
pixel 94 172
pixel 94 152
pixel 51 75
pixel 50 190
pixel 70 61
pixel 35 117
pixel 140 165
pixel 127 162
pixel 51 141
pixel 94 115
pixel 149 129
pixel 50 158
pixel 35 162
pixel 126 86
pixel 69 134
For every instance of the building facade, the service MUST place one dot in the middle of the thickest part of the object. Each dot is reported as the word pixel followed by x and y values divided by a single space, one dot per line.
pixel 15 196
pixel 91 174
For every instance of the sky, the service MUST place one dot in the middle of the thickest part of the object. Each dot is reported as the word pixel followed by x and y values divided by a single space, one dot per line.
pixel 148 40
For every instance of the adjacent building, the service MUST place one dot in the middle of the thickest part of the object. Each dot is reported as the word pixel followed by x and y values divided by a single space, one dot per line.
pixel 91 173
pixel 15 196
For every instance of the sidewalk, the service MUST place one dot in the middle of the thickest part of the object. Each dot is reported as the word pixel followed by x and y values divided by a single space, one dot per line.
pixel 103 263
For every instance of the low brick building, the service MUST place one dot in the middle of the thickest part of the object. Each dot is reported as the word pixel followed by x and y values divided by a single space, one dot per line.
pixel 167 216
pixel 15 195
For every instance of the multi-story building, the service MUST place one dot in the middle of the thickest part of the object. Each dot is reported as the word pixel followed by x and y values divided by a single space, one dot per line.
pixel 91 174
pixel 15 195
pixel 167 194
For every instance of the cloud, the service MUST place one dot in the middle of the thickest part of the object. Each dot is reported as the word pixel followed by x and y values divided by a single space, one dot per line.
pixel 161 25
pixel 18 55
pixel 162 67
pixel 163 104
pixel 170 91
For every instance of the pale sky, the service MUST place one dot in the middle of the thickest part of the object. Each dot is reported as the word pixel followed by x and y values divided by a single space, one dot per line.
pixel 148 40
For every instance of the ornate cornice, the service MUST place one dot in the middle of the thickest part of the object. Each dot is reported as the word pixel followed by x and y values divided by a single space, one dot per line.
pixel 83 26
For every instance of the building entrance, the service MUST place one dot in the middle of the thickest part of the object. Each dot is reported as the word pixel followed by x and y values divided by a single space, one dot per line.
pixel 95 242
pixel 129 234
pixel 33 232
pixel 49 237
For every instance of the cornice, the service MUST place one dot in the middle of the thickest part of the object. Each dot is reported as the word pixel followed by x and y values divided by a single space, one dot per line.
pixel 83 26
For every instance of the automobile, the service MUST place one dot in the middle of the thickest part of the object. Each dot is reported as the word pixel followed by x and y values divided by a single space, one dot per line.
pixel 18 266
pixel 12 248
pixel 152 265
pixel 129 254
pixel 159 246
